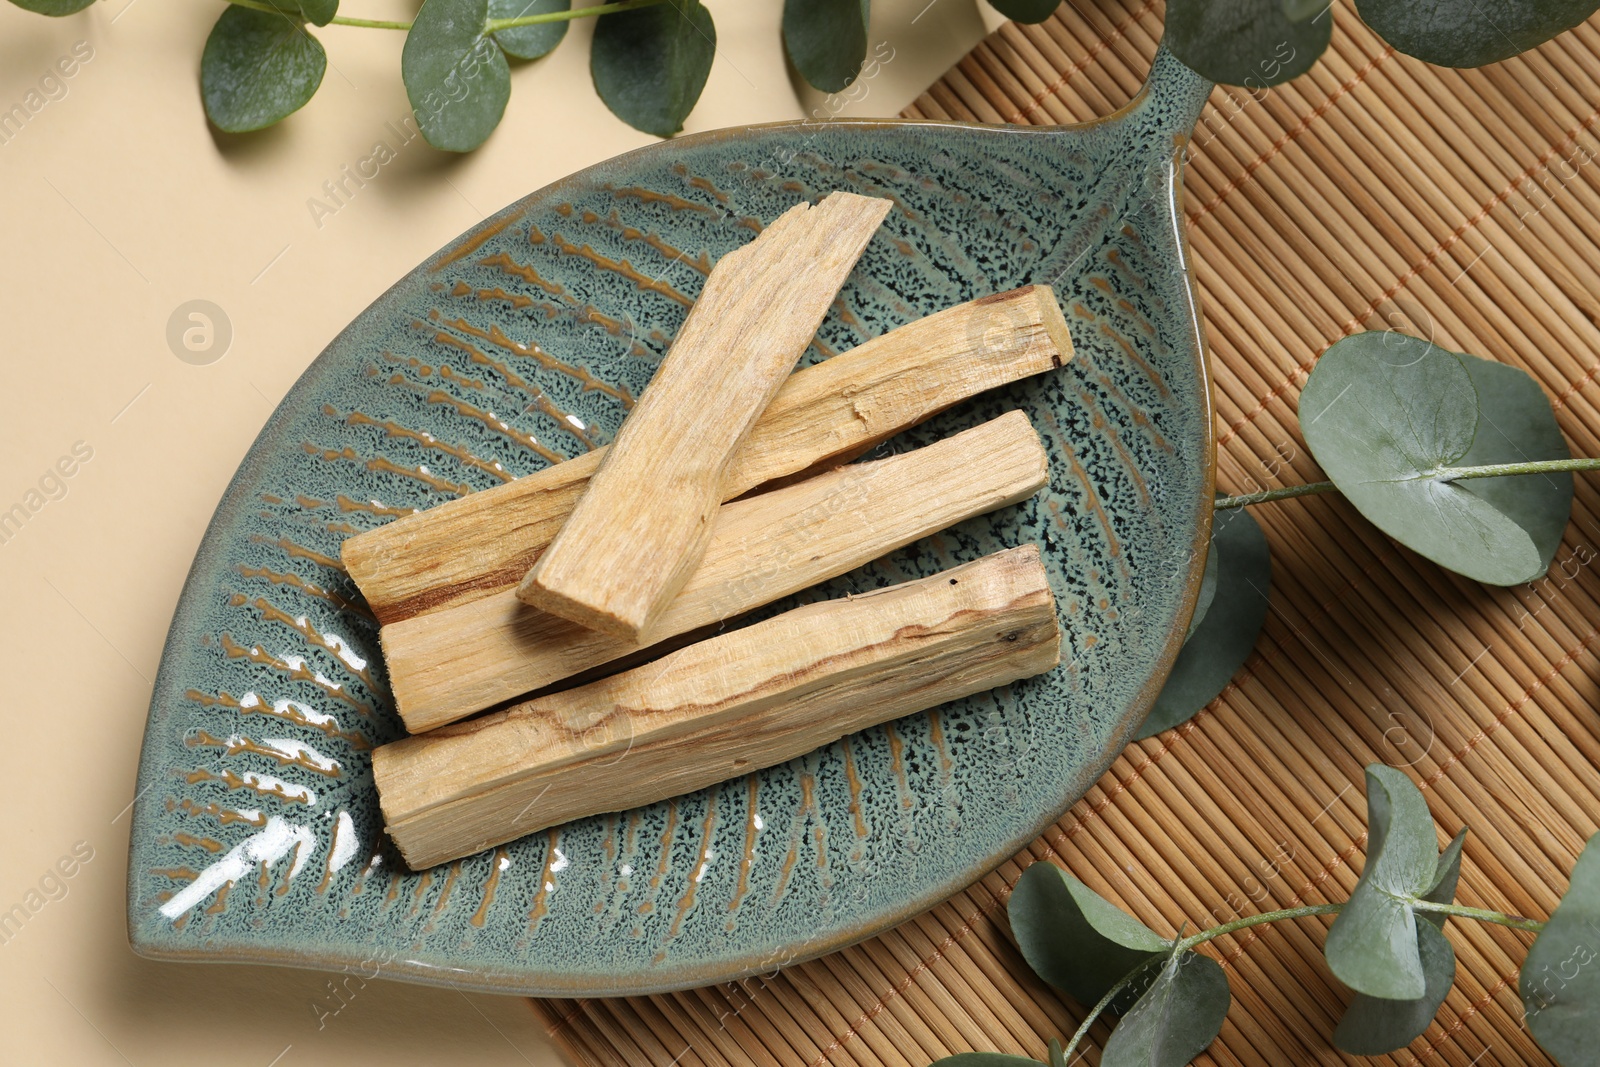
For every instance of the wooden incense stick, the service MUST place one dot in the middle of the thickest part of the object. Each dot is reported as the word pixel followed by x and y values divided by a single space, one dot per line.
pixel 483 543
pixel 644 522
pixel 445 665
pixel 718 709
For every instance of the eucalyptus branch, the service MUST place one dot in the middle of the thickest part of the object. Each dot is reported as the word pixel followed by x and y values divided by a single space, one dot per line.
pixel 492 26
pixel 1443 474
pixel 1105 1002
pixel 1256 920
pixel 1497 470
pixel 1266 496
pixel 1500 918
pixel 496 25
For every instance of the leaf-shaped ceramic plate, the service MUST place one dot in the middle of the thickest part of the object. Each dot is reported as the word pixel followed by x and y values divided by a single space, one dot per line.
pixel 257 835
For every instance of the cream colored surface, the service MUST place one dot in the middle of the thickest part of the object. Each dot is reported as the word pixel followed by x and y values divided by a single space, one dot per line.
pixel 120 205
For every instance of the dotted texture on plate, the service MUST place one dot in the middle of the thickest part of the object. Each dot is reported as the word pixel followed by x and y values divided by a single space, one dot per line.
pixel 257 835
pixel 1375 192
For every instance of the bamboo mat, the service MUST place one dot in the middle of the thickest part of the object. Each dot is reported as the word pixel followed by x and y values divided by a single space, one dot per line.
pixel 1373 192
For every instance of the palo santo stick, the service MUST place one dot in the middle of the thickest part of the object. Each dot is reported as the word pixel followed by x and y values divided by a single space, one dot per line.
pixel 719 709
pixel 643 525
pixel 447 664
pixel 472 547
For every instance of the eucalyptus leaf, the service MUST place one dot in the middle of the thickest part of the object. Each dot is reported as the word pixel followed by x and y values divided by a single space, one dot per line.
pixel 1372 945
pixel 984 1059
pixel 456 76
pixel 1026 10
pixel 1058 1057
pixel 1074 938
pixel 1445 876
pixel 1208 587
pixel 1217 647
pixel 1300 10
pixel 650 64
pixel 1515 425
pixel 258 67
pixel 1373 1026
pixel 316 12
pixel 1176 1018
pixel 1560 980
pixel 529 42
pixel 826 40
pixel 1254 43
pixel 319 12
pixel 1471 33
pixel 53 8
pixel 1385 414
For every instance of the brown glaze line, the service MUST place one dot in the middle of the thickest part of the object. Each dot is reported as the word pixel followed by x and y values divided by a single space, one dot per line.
pixel 622 267
pixel 224 816
pixel 234 782
pixel 547 884
pixel 395 430
pixel 230 747
pixel 302 626
pixel 381 464
pixel 748 857
pixel 480 916
pixel 302 673
pixel 474 241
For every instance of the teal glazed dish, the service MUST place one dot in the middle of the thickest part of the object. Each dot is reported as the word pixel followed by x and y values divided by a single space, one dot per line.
pixel 257 835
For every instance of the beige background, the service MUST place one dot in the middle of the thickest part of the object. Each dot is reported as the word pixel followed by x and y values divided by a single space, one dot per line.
pixel 119 204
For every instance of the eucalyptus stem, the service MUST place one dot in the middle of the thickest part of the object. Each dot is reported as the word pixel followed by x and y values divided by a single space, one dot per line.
pixel 1516 922
pixel 1099 1009
pixel 496 25
pixel 492 26
pixel 1266 496
pixel 1443 474
pixel 1542 466
pixel 1256 920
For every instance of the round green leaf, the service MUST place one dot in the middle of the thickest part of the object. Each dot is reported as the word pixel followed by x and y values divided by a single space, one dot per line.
pixel 1208 587
pixel 1515 425
pixel 1025 10
pixel 1446 874
pixel 1217 647
pixel 53 8
pixel 456 76
pixel 1385 414
pixel 319 12
pixel 1373 1026
pixel 984 1059
pixel 1072 937
pixel 1372 945
pixel 1254 43
pixel 316 12
pixel 257 68
pixel 1560 981
pixel 1471 33
pixel 1176 1018
pixel 650 64
pixel 826 40
pixel 529 42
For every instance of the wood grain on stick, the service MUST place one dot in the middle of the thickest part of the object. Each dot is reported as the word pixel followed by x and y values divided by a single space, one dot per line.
pixel 644 522
pixel 481 544
pixel 719 709
pixel 447 664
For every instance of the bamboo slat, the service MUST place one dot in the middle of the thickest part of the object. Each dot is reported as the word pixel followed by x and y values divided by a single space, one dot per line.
pixel 1376 191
